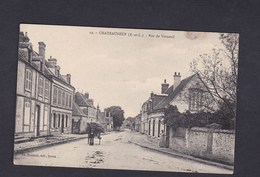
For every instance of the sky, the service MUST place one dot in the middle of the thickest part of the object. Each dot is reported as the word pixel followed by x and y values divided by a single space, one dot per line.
pixel 119 66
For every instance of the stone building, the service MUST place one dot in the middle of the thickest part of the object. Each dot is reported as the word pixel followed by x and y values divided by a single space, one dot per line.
pixel 79 119
pixel 187 94
pixel 33 90
pixel 105 119
pixel 62 97
pixel 87 105
pixel 44 96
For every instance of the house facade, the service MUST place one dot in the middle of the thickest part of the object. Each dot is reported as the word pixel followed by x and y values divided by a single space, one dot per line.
pixel 104 119
pixel 33 91
pixel 62 98
pixel 87 106
pixel 187 94
pixel 35 105
pixel 79 119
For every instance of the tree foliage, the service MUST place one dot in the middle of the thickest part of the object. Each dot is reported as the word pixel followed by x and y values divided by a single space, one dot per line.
pixel 222 117
pixel 95 127
pixel 218 71
pixel 118 115
pixel 173 117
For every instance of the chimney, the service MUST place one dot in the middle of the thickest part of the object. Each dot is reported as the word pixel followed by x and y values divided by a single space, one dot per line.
pixel 177 80
pixel 42 49
pixel 152 95
pixel 68 78
pixel 86 95
pixel 57 70
pixel 21 36
pixel 42 54
pixel 165 86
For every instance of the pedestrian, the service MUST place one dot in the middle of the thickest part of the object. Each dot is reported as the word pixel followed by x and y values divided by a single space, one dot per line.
pixel 162 139
pixel 91 137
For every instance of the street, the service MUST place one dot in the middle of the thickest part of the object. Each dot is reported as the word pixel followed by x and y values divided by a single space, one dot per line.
pixel 115 152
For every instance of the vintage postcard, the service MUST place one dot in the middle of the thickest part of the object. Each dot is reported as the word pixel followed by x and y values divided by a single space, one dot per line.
pixel 126 99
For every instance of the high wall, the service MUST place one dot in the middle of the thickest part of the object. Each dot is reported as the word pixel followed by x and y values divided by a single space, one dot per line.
pixel 216 145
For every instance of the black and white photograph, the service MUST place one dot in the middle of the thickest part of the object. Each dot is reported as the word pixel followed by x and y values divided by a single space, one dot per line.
pixel 126 99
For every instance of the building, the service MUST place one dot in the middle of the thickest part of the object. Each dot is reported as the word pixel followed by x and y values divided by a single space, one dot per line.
pixel 105 119
pixel 87 105
pixel 62 97
pixel 187 94
pixel 33 90
pixel 137 123
pixel 44 96
pixel 79 119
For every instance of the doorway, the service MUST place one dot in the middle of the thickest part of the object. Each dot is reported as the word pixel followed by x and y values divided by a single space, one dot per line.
pixel 37 119
pixel 62 123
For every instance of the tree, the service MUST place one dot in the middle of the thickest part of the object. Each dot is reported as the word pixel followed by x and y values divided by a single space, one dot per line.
pixel 96 127
pixel 173 117
pixel 118 115
pixel 218 72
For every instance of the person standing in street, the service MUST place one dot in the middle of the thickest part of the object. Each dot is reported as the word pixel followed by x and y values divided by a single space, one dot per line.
pixel 162 139
pixel 91 137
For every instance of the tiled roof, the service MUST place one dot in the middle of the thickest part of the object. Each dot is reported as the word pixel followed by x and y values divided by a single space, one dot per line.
pixel 172 93
pixel 21 55
pixel 80 100
pixel 101 117
pixel 76 111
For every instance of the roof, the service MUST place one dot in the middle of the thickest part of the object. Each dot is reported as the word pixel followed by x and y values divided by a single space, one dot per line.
pixel 76 111
pixel 81 100
pixel 172 93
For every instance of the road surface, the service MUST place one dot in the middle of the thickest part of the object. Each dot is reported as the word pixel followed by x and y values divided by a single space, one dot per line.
pixel 115 152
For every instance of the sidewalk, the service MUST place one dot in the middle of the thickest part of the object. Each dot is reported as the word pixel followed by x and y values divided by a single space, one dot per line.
pixel 43 142
pixel 141 140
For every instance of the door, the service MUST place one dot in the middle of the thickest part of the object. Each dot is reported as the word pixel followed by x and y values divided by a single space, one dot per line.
pixel 62 124
pixel 37 119
pixel 75 126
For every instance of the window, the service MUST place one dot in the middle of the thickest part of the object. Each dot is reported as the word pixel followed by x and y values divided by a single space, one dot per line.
pixel 40 86
pixel 159 128
pixel 153 126
pixel 70 101
pixel 59 121
pixel 195 100
pixel 28 80
pixel 45 121
pixel 46 92
pixel 27 113
pixel 63 99
pixel 67 100
pixel 54 121
pixel 55 93
pixel 27 117
pixel 66 122
pixel 59 97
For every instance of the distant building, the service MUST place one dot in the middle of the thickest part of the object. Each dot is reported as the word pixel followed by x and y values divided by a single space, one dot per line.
pixel 79 119
pixel 137 123
pixel 44 96
pixel 105 119
pixel 87 105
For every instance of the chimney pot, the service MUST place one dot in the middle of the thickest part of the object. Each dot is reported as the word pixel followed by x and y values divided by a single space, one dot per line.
pixel 164 86
pixel 177 80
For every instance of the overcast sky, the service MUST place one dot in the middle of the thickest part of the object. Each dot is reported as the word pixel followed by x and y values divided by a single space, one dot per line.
pixel 119 69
